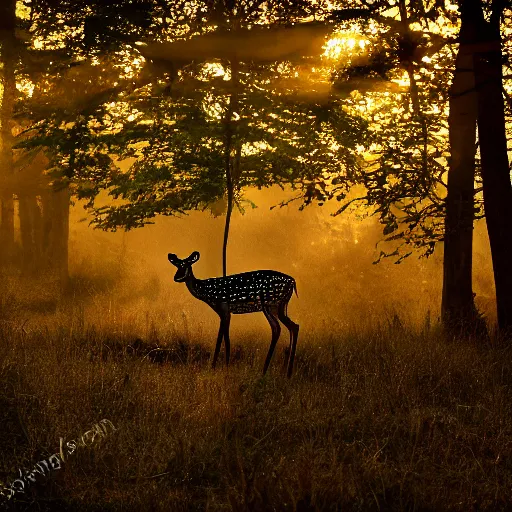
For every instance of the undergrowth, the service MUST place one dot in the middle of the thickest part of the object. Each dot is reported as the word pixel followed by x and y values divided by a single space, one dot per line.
pixel 388 419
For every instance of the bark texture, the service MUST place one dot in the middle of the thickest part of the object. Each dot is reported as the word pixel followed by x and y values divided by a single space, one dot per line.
pixel 497 188
pixel 458 311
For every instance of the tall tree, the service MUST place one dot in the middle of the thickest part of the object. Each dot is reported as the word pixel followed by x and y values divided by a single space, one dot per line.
pixel 232 165
pixel 411 204
pixel 476 102
pixel 8 57
pixel 496 181
pixel 458 310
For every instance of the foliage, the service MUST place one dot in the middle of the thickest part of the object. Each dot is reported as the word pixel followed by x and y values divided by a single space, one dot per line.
pixel 405 171
pixel 401 88
pixel 90 26
pixel 385 115
pixel 172 120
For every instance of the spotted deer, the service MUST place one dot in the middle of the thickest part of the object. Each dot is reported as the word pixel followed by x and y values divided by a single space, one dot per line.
pixel 261 290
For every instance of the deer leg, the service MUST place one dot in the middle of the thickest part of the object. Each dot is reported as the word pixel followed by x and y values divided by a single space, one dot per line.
pixel 224 315
pixel 294 334
pixel 226 337
pixel 276 331
pixel 219 341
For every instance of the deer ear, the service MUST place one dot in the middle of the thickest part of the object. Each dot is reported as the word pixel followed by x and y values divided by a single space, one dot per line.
pixel 173 259
pixel 193 257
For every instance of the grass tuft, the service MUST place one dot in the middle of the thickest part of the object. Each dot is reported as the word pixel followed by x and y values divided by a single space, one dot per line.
pixel 385 419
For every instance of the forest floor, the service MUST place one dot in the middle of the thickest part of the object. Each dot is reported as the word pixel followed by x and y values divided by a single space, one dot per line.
pixel 385 418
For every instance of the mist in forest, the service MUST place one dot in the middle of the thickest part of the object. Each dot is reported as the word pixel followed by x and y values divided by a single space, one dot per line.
pixel 125 276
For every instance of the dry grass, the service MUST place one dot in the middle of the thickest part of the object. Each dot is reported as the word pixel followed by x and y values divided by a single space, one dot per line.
pixel 389 419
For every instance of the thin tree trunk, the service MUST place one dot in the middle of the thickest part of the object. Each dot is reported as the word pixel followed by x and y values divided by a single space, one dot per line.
pixel 497 189
pixel 8 58
pixel 230 193
pixel 37 219
pixel 46 228
pixel 458 311
pixel 409 66
pixel 230 182
pixel 31 232
pixel 6 226
pixel 60 236
pixel 26 231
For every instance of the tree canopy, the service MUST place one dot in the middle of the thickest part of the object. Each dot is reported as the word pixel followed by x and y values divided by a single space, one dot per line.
pixel 151 81
pixel 170 117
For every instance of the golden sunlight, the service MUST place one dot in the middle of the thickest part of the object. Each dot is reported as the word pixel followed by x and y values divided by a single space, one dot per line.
pixel 214 69
pixel 212 107
pixel 25 87
pixel 402 81
pixel 344 45
pixel 310 139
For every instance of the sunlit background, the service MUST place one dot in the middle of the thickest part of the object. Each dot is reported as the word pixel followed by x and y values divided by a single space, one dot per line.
pixel 330 257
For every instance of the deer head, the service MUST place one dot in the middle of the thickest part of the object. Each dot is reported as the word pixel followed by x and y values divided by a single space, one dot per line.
pixel 184 266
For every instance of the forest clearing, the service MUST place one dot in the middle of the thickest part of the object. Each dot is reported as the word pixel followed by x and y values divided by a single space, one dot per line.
pixel 255 255
pixel 375 419
pixel 383 410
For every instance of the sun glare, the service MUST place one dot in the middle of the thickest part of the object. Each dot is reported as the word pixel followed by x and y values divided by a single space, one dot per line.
pixel 339 46
pixel 403 81
pixel 26 87
pixel 214 70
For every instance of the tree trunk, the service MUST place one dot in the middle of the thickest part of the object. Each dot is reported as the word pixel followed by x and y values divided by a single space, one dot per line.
pixel 6 227
pixel 30 233
pixel 458 311
pixel 26 231
pixel 230 181
pixel 60 236
pixel 46 227
pixel 8 58
pixel 497 189
pixel 54 235
pixel 230 193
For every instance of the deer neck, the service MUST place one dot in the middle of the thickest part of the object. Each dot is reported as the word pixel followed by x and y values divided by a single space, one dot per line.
pixel 191 283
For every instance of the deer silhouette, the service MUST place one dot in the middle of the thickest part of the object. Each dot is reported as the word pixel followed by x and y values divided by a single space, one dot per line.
pixel 261 290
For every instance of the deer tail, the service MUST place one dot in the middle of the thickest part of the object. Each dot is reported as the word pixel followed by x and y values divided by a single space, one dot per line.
pixel 295 288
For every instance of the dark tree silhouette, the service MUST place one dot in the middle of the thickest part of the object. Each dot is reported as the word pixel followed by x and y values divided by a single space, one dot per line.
pixel 497 188
pixel 8 57
pixel 458 309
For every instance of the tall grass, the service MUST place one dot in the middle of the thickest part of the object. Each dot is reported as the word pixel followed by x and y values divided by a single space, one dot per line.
pixel 383 418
